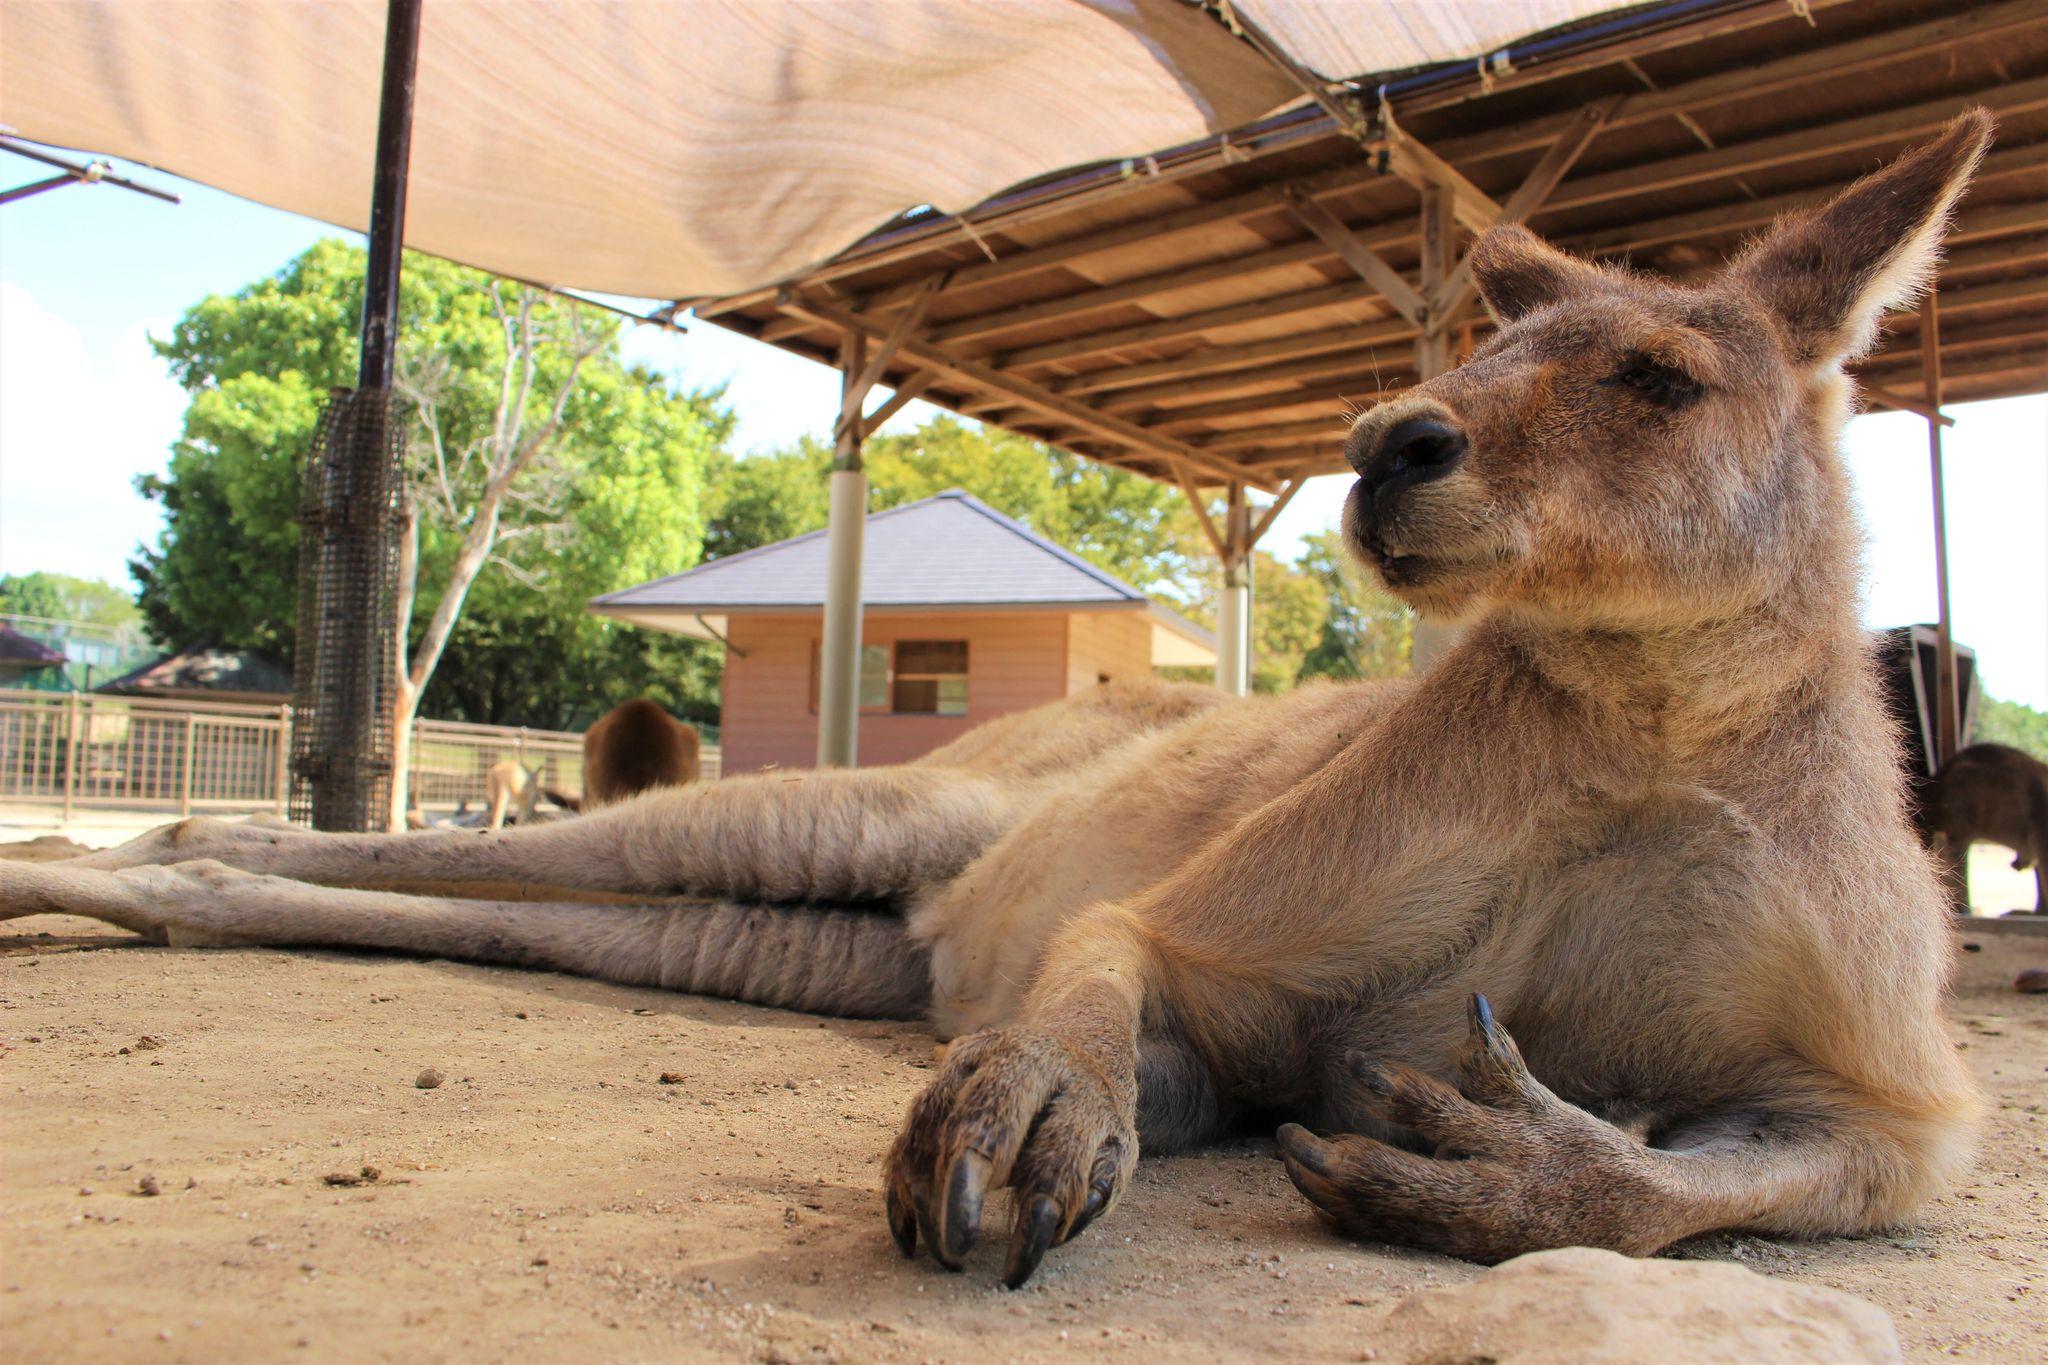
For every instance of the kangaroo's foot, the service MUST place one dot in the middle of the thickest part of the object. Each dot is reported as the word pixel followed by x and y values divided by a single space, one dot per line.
pixel 1018 1108
pixel 1517 1169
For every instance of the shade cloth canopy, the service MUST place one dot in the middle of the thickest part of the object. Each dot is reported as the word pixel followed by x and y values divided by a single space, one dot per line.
pixel 679 148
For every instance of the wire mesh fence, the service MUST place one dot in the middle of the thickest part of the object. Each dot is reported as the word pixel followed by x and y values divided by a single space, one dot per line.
pixel 348 570
pixel 82 751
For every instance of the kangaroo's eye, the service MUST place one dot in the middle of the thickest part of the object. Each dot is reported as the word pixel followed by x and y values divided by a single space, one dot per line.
pixel 1655 379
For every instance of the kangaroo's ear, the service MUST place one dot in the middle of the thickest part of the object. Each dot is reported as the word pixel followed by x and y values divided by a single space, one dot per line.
pixel 1518 272
pixel 1829 275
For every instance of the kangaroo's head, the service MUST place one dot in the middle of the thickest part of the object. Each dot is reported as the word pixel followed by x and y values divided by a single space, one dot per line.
pixel 1627 453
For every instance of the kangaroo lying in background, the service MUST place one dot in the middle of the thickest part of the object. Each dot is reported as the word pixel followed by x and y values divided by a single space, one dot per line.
pixel 1999 795
pixel 1609 930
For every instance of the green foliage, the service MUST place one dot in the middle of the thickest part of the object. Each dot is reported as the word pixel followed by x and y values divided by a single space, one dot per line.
pixel 61 597
pixel 616 501
pixel 2010 722
pixel 1366 631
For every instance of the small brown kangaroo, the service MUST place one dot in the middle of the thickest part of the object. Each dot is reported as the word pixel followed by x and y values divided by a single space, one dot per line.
pixel 1609 929
pixel 1997 794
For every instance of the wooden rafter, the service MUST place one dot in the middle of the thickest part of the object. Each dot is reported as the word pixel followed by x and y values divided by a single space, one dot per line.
pixel 929 356
pixel 1530 194
pixel 1355 252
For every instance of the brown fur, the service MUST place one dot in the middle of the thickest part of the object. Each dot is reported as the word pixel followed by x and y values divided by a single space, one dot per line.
pixel 1648 808
pixel 635 747
pixel 1999 795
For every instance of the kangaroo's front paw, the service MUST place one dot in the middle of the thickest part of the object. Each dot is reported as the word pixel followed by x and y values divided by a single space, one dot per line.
pixel 1012 1108
pixel 1516 1168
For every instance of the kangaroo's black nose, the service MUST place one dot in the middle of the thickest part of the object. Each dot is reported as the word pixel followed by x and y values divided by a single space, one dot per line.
pixel 1416 451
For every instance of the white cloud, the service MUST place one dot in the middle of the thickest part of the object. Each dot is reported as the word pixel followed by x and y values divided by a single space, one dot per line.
pixel 78 422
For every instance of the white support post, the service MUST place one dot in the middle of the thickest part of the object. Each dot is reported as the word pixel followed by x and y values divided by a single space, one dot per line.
pixel 839 652
pixel 1234 605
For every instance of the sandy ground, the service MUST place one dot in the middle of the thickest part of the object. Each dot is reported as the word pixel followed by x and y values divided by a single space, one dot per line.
pixel 556 1198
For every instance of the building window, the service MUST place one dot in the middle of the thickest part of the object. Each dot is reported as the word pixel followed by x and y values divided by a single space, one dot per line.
pixel 931 678
pixel 874 677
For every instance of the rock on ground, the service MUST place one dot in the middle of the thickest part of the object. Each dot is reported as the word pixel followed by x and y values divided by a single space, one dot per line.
pixel 1579 1306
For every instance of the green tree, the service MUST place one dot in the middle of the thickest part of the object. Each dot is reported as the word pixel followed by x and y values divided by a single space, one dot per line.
pixel 543 471
pixel 61 597
pixel 2013 723
pixel 1366 632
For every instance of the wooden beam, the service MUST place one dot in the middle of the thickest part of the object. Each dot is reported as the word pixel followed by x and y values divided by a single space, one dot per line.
pixel 1357 254
pixel 1530 194
pixel 1095 300
pixel 1278 433
pixel 1202 518
pixel 908 390
pixel 1363 361
pixel 1272 513
pixel 1800 144
pixel 1439 249
pixel 1181 419
pixel 1887 398
pixel 1192 324
pixel 1745 214
pixel 880 357
pixel 1217 358
pixel 1102 424
pixel 1414 162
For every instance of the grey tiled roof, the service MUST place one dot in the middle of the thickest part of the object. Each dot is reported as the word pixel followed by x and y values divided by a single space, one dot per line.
pixel 948 550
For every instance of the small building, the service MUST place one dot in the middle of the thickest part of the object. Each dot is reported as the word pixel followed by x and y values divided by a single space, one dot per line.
pixel 203 673
pixel 28 662
pixel 968 616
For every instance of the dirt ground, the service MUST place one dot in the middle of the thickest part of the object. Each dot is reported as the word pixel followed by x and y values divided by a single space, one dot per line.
pixel 617 1174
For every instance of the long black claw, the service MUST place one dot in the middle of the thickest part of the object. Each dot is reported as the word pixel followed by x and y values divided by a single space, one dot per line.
pixel 930 1232
pixel 1098 1200
pixel 1299 1145
pixel 1035 1231
pixel 1482 1018
pixel 902 1219
pixel 963 1205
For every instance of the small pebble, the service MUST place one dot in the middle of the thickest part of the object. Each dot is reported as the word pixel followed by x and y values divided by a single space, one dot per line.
pixel 148 1186
pixel 2032 981
pixel 671 1078
pixel 430 1079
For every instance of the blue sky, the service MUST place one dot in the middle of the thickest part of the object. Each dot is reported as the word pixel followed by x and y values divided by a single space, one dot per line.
pixel 87 274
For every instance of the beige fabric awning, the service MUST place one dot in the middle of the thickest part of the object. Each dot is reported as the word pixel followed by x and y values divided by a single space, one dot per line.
pixel 676 148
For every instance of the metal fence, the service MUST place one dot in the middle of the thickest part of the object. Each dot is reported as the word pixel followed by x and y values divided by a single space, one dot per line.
pixel 80 750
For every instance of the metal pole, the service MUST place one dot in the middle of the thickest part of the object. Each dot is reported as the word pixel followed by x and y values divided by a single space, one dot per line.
pixel 839 653
pixel 350 692
pixel 1948 717
pixel 387 195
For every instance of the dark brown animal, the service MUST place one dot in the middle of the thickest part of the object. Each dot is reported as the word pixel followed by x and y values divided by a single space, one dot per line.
pixel 1999 795
pixel 635 747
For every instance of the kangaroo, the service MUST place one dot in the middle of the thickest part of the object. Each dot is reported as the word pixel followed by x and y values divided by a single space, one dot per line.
pixel 1997 794
pixel 508 783
pixel 1609 929
pixel 635 747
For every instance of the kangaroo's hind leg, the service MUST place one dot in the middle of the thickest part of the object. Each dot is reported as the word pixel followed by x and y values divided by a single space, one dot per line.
pixel 818 959
pixel 832 836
